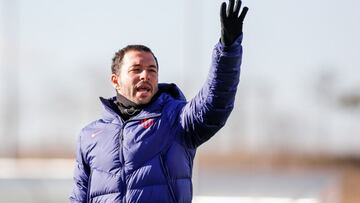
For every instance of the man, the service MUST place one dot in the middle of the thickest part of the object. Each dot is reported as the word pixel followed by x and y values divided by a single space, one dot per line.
pixel 143 147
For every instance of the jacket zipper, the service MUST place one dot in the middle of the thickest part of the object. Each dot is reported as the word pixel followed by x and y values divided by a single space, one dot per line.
pixel 121 150
pixel 88 188
pixel 168 178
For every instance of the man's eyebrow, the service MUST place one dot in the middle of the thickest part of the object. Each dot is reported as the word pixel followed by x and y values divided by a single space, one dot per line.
pixel 139 65
pixel 135 65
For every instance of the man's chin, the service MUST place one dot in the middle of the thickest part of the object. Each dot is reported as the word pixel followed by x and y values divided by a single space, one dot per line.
pixel 143 100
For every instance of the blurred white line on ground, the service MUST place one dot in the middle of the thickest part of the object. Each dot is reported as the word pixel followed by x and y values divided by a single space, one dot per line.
pixel 36 168
pixel 216 199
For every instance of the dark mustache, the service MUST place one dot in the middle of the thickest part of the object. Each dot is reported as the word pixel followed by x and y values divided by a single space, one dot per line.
pixel 144 83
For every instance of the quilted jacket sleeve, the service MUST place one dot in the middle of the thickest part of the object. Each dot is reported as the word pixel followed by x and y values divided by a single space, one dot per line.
pixel 81 177
pixel 208 111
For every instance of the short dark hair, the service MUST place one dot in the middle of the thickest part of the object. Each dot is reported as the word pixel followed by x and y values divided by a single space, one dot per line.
pixel 117 59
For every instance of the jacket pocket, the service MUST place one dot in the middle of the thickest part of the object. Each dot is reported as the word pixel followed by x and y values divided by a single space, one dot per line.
pixel 167 176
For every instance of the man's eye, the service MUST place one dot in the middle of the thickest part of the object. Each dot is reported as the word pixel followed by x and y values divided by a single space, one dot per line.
pixel 135 70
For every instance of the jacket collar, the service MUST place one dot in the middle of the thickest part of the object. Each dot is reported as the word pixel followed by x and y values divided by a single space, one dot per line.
pixel 152 110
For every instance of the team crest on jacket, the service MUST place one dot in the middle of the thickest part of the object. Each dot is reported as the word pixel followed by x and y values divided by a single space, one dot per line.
pixel 147 123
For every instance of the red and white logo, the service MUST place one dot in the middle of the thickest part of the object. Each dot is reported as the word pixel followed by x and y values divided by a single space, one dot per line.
pixel 147 123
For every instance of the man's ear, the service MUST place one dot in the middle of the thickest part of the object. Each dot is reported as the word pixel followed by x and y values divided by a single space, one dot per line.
pixel 115 81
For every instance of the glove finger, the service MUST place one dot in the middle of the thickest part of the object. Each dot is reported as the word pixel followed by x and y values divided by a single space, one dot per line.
pixel 243 14
pixel 237 7
pixel 230 8
pixel 223 12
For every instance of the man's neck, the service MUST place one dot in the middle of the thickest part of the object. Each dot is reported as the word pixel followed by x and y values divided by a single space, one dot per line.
pixel 129 109
pixel 126 107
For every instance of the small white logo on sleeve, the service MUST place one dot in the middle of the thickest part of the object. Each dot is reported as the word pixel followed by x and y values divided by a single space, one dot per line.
pixel 95 133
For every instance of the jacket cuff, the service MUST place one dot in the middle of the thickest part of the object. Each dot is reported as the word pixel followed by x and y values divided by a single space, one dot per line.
pixel 233 46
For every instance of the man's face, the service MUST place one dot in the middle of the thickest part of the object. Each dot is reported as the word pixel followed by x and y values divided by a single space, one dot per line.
pixel 138 78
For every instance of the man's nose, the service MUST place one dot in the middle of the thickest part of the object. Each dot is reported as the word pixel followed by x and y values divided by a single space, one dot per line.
pixel 144 75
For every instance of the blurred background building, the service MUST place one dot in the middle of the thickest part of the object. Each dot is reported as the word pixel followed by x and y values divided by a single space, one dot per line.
pixel 294 135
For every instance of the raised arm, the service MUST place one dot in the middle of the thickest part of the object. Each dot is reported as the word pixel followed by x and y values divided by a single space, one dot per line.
pixel 208 111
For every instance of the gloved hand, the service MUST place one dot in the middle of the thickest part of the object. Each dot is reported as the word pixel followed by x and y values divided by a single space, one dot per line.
pixel 231 22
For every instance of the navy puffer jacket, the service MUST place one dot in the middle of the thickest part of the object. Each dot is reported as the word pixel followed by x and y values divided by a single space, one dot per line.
pixel 149 158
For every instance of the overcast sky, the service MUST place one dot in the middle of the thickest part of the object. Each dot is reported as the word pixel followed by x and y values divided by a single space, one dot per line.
pixel 64 48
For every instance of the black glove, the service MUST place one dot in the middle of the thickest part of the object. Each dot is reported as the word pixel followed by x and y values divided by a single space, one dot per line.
pixel 231 22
